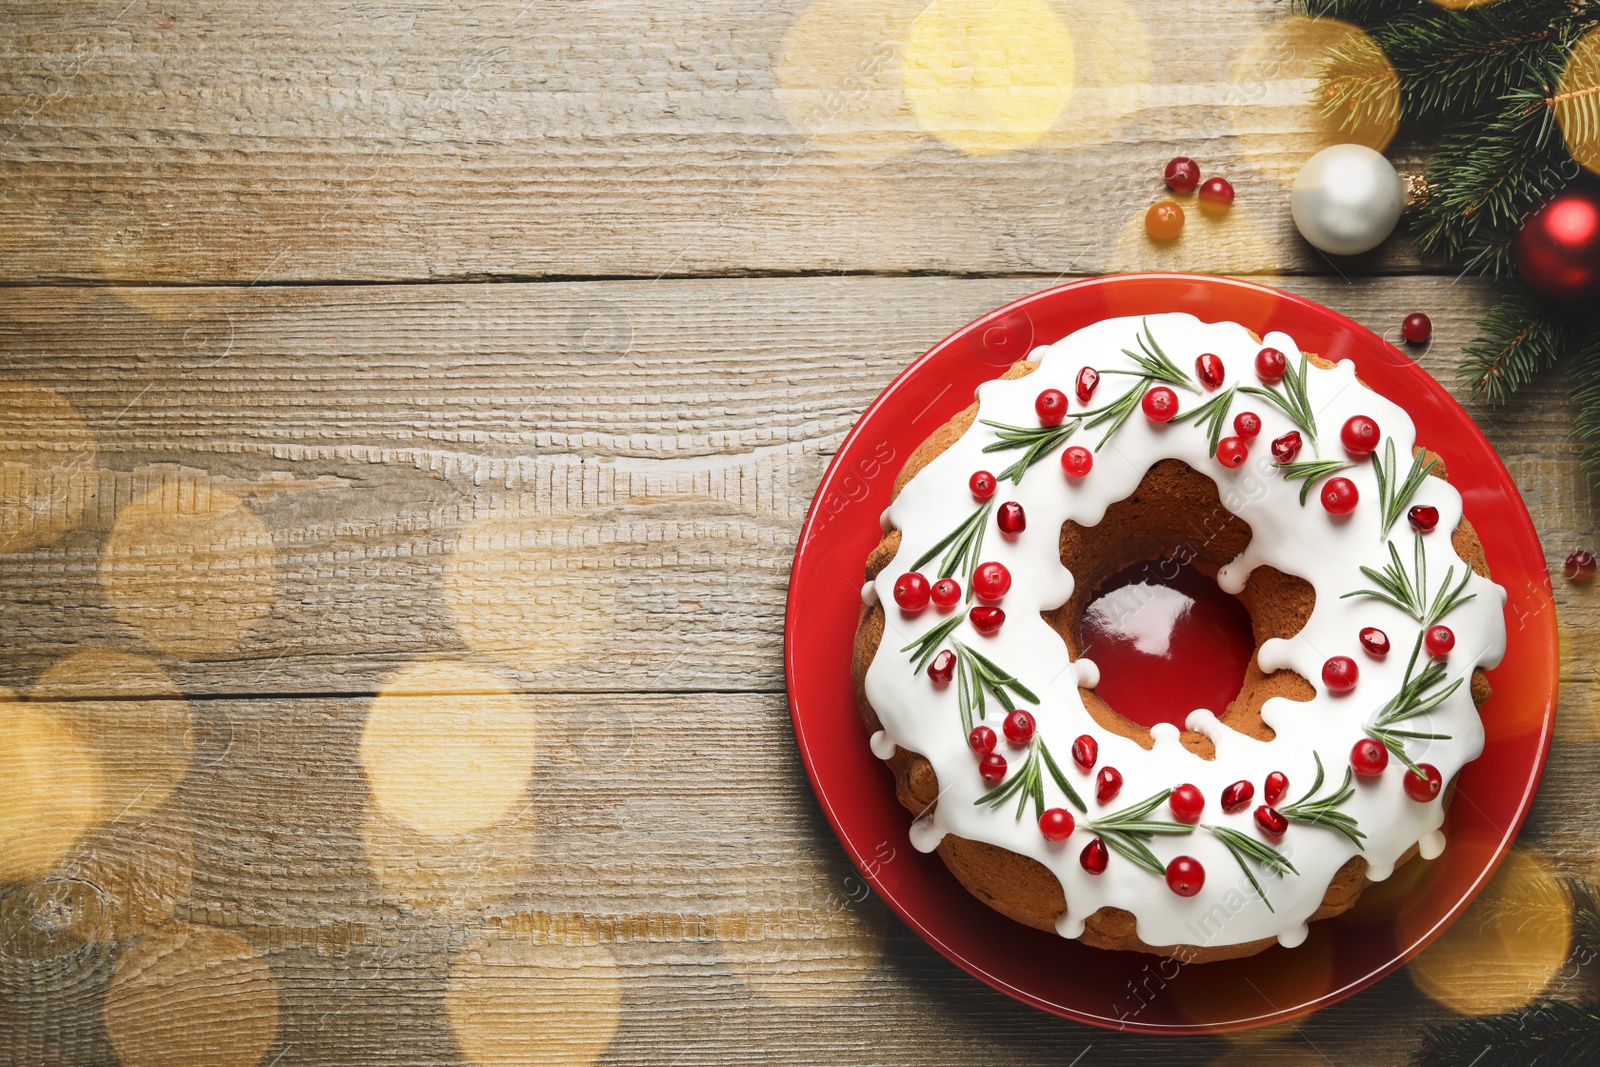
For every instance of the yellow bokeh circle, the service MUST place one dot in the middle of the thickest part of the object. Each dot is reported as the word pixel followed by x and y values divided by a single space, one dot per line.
pixel 51 789
pixel 1577 101
pixel 47 466
pixel 517 1003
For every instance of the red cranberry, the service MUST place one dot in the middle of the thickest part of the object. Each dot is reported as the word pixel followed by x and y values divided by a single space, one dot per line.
pixel 1208 367
pixel 1339 674
pixel 992 766
pixel 1247 424
pixel 1077 461
pixel 1107 784
pixel 1360 435
pixel 946 593
pixel 1423 517
pixel 1276 786
pixel 1185 876
pixel 1271 365
pixel 1182 174
pixel 1339 496
pixel 1088 379
pixel 1232 452
pixel 1160 404
pixel 1579 566
pixel 986 620
pixel 1285 448
pixel 1051 406
pixel 911 591
pixel 1216 194
pixel 982 484
pixel 982 740
pixel 1375 642
pixel 1237 797
pixel 1416 328
pixel 1368 757
pixel 1187 803
pixel 1010 518
pixel 1094 856
pixel 1272 823
pixel 1425 786
pixel 1019 727
pixel 1439 640
pixel 991 580
pixel 943 667
pixel 1085 750
pixel 1057 824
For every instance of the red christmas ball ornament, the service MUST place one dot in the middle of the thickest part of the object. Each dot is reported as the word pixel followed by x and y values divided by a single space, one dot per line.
pixel 991 581
pixel 1368 757
pixel 992 766
pixel 1416 328
pixel 1579 566
pixel 1237 797
pixel 1339 674
pixel 1423 517
pixel 1185 876
pixel 1276 786
pixel 1094 856
pixel 1216 194
pixel 1232 452
pixel 1088 379
pixel 1247 424
pixel 1107 784
pixel 946 593
pixel 982 484
pixel 1360 435
pixel 1285 448
pixel 1051 407
pixel 1182 174
pixel 987 621
pixel 1011 518
pixel 1187 803
pixel 1557 247
pixel 943 668
pixel 1439 640
pixel 1160 404
pixel 1271 365
pixel 1375 642
pixel 982 740
pixel 1425 786
pixel 911 591
pixel 1077 461
pixel 1271 823
pixel 1085 750
pixel 1339 496
pixel 1057 824
pixel 1019 727
pixel 1210 370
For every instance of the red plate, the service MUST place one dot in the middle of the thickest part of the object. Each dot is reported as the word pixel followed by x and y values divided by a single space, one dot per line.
pixel 1123 990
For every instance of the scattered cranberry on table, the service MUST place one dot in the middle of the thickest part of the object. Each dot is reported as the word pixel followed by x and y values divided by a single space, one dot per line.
pixel 982 484
pixel 1423 517
pixel 943 667
pixel 1339 496
pixel 1579 566
pixel 1185 876
pixel 1164 220
pixel 1339 674
pixel 1416 328
pixel 1425 786
pixel 911 591
pixel 1216 194
pixel 1368 757
pixel 1011 518
pixel 1182 174
pixel 1057 824
pixel 1375 642
pixel 1160 404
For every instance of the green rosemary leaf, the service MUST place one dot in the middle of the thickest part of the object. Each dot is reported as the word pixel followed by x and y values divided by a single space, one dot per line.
pixel 1001 675
pixel 1037 442
pixel 1134 849
pixel 1244 847
pixel 928 643
pixel 961 547
pixel 1061 779
pixel 1393 494
pixel 1311 471
pixel 1116 413
pixel 1408 589
pixel 1324 811
pixel 1213 414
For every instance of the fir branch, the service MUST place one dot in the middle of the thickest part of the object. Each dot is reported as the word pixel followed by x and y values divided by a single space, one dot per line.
pixel 924 647
pixel 1586 371
pixel 1245 848
pixel 1393 494
pixel 1213 414
pixel 1546 1033
pixel 1408 590
pixel 1358 86
pixel 1585 911
pixel 1312 471
pixel 1312 810
pixel 1519 337
pixel 1127 830
pixel 1038 441
pixel 1290 395
pixel 961 547
pixel 977 675
pixel 1028 782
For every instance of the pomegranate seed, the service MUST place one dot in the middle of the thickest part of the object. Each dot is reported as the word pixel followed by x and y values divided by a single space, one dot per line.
pixel 1160 404
pixel 1416 328
pixel 1339 496
pixel 946 593
pixel 1010 518
pixel 1360 435
pixel 1051 406
pixel 1368 757
pixel 1423 517
pixel 1285 448
pixel 1425 786
pixel 992 766
pixel 1216 194
pixel 1276 786
pixel 986 620
pixel 911 591
pixel 1057 824
pixel 1187 803
pixel 1088 379
pixel 1339 674
pixel 943 667
pixel 1271 365
pixel 1271 823
pixel 982 740
pixel 1439 640
pixel 1019 727
pixel 1210 370
pixel 1107 784
pixel 1077 461
pixel 1232 452
pixel 1579 566
pixel 1247 424
pixel 991 580
pixel 1085 751
pixel 1237 797
pixel 982 485
pixel 1375 642
pixel 1182 174
pixel 1185 876
pixel 1093 857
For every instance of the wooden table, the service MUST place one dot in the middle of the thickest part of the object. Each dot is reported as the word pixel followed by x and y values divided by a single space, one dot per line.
pixel 407 412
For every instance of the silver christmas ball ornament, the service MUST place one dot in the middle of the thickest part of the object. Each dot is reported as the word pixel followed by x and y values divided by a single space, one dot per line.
pixel 1347 199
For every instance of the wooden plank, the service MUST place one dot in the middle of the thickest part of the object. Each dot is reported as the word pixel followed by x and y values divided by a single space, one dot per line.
pixel 600 485
pixel 227 143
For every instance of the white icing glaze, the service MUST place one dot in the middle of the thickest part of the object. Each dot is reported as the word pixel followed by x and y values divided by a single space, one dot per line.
pixel 869 594
pixel 1300 540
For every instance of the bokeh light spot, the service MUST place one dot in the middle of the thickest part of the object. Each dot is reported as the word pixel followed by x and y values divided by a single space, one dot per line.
pixel 50 789
pixel 47 466
pixel 1577 101
pixel 515 1003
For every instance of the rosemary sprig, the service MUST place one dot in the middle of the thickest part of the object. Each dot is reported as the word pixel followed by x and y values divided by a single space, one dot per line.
pixel 1214 414
pixel 1290 395
pixel 1153 363
pixel 960 547
pixel 1037 440
pixel 1313 810
pixel 1126 831
pixel 1244 847
pixel 977 675
pixel 924 647
pixel 1311 471
pixel 1417 696
pixel 1028 782
pixel 1408 591
pixel 1393 494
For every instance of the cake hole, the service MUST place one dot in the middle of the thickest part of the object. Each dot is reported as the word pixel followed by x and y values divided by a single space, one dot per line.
pixel 1167 641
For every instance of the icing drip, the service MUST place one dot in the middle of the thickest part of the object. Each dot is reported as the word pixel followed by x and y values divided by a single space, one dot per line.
pixel 1302 540
pixel 882 747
